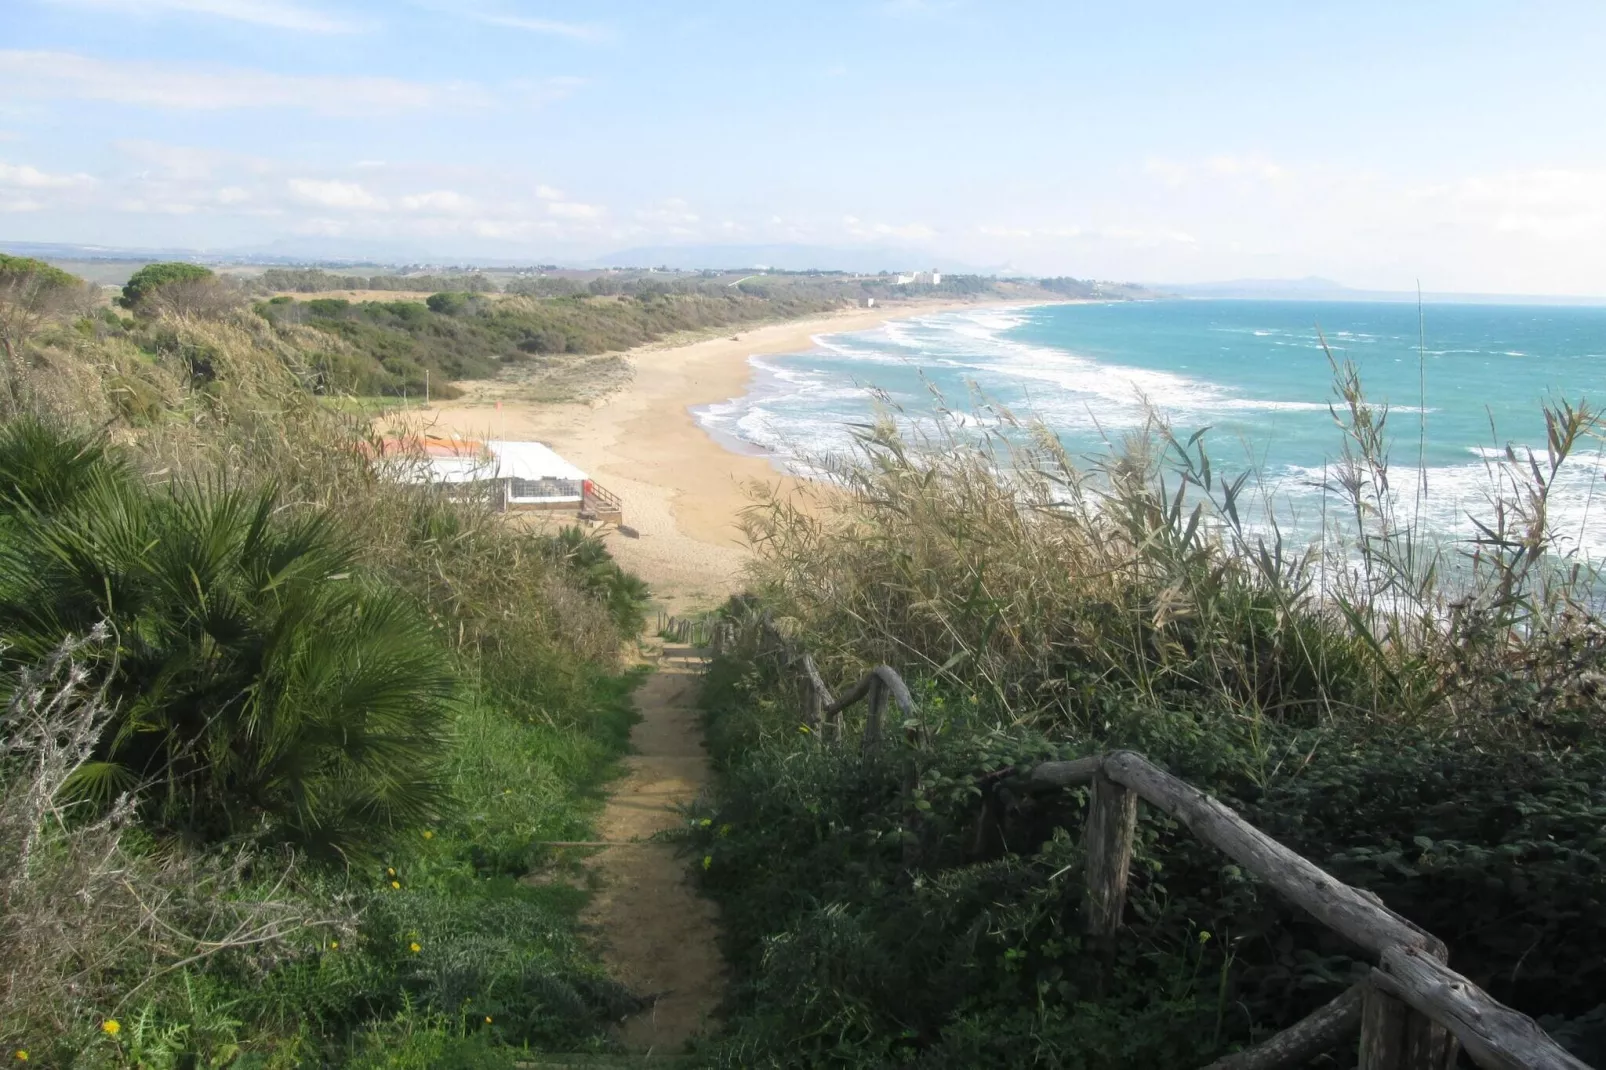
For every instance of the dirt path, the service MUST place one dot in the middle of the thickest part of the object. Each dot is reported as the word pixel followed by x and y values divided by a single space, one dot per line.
pixel 661 937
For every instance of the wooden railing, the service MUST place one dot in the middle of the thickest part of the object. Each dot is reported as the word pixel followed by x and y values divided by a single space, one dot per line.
pixel 1411 1012
pixel 600 502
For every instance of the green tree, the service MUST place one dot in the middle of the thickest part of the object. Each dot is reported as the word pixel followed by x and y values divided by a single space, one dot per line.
pixel 31 291
pixel 447 304
pixel 263 684
pixel 146 285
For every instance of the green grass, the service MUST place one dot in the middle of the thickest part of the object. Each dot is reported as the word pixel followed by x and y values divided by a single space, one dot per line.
pixel 368 405
pixel 1438 744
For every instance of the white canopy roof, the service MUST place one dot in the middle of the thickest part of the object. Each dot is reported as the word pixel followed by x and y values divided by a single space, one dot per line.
pixel 501 459
pixel 530 460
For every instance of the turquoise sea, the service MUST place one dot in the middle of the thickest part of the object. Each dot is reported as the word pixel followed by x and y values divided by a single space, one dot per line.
pixel 1253 372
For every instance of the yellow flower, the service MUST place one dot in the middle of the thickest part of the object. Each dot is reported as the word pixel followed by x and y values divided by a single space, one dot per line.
pixel 111 1027
pixel 390 872
pixel 334 945
pixel 22 1056
pixel 428 835
pixel 395 884
pixel 487 1019
pixel 414 948
pixel 708 860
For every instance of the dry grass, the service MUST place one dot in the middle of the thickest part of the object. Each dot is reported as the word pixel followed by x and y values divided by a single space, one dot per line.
pixel 91 924
pixel 86 924
pixel 989 559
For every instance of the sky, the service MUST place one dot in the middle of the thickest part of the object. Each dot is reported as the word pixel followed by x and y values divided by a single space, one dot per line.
pixel 1453 142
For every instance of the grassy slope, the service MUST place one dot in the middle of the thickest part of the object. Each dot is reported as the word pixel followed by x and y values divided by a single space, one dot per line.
pixel 541 717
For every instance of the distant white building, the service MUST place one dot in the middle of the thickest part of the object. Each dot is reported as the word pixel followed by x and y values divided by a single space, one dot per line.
pixel 919 278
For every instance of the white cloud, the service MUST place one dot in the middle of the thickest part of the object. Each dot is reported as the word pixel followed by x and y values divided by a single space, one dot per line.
pixel 212 88
pixel 917 7
pixel 1254 165
pixel 274 13
pixel 1251 165
pixel 181 162
pixel 575 31
pixel 232 195
pixel 440 200
pixel 673 211
pixel 1551 205
pixel 22 176
pixel 335 194
pixel 142 206
pixel 575 210
pixel 911 231
pixel 547 193
pixel 22 204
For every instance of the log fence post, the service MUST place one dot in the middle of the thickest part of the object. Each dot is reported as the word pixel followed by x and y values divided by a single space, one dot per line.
pixel 813 707
pixel 1394 1036
pixel 1107 837
pixel 876 700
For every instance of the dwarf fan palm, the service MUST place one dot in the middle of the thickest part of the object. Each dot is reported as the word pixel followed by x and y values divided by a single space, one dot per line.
pixel 263 684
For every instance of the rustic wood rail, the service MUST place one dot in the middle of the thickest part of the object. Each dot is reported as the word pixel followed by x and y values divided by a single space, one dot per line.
pixel 1413 1012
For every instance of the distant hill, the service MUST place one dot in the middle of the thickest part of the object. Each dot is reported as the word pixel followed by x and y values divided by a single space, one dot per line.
pixel 857 259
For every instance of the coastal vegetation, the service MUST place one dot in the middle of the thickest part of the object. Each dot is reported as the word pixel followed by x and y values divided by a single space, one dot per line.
pixel 1424 721
pixel 282 741
pixel 389 347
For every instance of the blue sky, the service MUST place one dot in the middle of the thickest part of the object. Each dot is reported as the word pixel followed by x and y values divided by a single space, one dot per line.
pixel 1376 143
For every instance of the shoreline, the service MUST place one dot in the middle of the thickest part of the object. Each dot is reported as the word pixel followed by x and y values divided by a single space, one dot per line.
pixel 684 491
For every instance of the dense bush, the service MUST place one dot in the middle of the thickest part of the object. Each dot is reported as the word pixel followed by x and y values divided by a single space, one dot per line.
pixel 388 345
pixel 1424 726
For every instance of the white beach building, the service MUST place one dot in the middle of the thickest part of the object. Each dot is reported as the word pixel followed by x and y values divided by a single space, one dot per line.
pixel 519 475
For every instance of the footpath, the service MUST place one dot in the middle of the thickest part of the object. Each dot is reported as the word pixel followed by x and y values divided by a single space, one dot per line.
pixel 660 937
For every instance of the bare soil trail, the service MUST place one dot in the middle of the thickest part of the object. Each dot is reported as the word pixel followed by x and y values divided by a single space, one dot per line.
pixel 660 937
pixel 683 493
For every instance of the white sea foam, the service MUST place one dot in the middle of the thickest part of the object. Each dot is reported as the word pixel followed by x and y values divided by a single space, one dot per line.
pixel 800 408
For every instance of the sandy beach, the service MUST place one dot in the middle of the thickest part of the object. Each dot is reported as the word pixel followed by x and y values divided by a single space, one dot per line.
pixel 683 492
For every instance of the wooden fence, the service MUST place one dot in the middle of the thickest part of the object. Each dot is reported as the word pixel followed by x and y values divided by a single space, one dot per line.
pixel 1412 1012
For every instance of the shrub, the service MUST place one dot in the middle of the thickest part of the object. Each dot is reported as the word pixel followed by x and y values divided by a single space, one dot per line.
pixel 264 683
pixel 31 291
pixel 1425 725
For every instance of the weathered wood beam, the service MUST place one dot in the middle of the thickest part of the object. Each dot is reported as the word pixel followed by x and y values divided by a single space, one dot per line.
pixel 1494 1035
pixel 888 678
pixel 877 701
pixel 1324 1028
pixel 811 672
pixel 1054 776
pixel 851 695
pixel 1330 901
